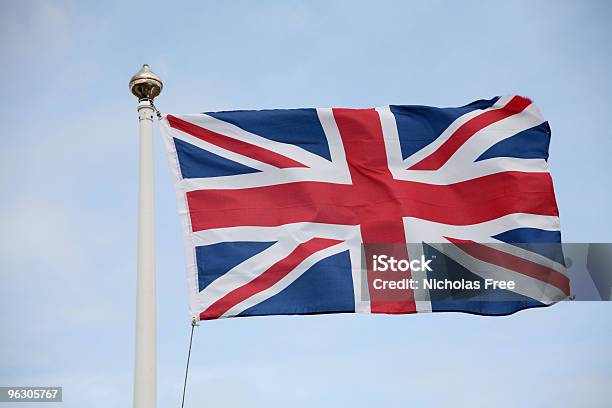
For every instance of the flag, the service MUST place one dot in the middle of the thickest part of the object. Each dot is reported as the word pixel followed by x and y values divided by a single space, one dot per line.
pixel 292 211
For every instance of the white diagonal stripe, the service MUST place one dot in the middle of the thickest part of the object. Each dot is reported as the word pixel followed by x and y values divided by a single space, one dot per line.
pixel 286 280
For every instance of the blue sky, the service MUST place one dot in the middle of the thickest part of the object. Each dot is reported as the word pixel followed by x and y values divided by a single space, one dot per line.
pixel 69 194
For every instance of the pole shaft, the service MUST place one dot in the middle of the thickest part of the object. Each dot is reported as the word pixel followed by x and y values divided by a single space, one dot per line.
pixel 145 368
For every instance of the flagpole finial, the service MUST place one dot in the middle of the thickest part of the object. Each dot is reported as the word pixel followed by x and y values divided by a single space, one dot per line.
pixel 145 84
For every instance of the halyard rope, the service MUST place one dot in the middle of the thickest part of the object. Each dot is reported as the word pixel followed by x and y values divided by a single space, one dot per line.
pixel 193 325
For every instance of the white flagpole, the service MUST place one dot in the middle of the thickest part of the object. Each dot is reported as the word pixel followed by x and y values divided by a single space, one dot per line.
pixel 146 86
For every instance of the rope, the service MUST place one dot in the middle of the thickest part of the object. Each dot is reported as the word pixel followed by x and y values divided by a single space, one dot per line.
pixel 193 325
pixel 159 114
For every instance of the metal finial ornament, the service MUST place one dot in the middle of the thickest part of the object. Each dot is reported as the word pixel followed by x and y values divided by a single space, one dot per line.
pixel 145 84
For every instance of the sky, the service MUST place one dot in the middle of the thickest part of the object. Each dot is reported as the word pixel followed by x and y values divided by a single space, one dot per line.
pixel 68 179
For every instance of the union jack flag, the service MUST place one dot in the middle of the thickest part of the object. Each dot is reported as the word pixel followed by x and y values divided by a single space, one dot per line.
pixel 277 205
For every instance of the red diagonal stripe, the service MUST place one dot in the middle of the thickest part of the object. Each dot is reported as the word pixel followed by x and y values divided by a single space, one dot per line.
pixel 437 159
pixel 513 263
pixel 267 279
pixel 234 145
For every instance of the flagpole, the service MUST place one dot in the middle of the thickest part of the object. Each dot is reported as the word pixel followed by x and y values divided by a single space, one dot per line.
pixel 145 85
